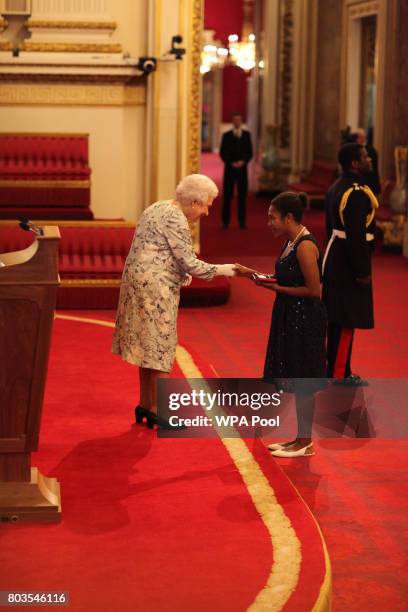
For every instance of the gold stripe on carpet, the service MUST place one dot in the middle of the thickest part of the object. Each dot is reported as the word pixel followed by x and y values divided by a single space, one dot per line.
pixel 85 320
pixel 285 570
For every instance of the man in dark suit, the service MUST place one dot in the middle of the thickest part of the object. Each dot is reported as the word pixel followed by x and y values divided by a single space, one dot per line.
pixel 235 152
pixel 347 288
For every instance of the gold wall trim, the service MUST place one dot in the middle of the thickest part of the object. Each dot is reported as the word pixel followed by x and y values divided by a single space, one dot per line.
pixel 6 45
pixel 55 47
pixel 362 9
pixel 195 103
pixel 40 184
pixel 74 25
pixel 72 94
pixel 195 84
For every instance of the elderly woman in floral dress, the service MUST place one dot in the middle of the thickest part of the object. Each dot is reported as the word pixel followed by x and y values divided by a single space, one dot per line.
pixel 160 260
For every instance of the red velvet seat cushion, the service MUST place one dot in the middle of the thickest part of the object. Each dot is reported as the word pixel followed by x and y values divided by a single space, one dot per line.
pixel 84 252
pixel 40 157
pixel 95 252
pixel 44 157
pixel 309 188
pixel 319 179
pixel 91 266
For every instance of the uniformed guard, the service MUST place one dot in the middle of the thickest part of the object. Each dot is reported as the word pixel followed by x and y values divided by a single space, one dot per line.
pixel 347 286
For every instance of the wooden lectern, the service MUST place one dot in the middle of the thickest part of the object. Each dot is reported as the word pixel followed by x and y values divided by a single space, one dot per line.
pixel 28 288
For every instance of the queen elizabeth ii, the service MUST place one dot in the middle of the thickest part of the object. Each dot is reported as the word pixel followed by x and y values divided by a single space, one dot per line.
pixel 161 260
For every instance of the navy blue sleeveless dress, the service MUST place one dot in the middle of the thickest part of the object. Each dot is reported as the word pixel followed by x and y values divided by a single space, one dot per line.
pixel 297 338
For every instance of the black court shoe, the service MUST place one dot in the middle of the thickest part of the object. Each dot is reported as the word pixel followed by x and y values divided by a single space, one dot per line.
pixel 155 420
pixel 140 414
pixel 353 380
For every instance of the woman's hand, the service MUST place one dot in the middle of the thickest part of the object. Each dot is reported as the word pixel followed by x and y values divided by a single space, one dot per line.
pixel 273 286
pixel 186 280
pixel 243 270
pixel 225 270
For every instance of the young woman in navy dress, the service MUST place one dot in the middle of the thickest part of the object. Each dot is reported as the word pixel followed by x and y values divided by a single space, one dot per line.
pixel 297 339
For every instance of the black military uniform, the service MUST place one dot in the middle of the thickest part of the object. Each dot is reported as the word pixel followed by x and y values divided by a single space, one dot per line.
pixel 350 223
pixel 235 148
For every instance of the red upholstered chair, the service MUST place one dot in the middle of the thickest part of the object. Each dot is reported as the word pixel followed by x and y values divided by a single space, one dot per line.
pixel 44 176
pixel 316 183
pixel 91 260
pixel 383 213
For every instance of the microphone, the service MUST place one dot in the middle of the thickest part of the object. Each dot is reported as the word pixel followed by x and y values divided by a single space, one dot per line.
pixel 26 225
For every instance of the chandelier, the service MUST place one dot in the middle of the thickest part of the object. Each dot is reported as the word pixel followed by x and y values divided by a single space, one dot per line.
pixel 212 57
pixel 242 53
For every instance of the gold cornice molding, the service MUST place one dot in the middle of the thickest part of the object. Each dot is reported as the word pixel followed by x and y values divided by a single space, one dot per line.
pixel 74 25
pixel 59 47
pixel 63 94
pixel 102 79
pixel 363 9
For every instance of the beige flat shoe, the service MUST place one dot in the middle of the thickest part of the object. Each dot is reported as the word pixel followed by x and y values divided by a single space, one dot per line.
pixel 306 451
pixel 279 445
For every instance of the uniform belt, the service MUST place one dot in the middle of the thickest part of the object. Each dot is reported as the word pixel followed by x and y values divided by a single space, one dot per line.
pixel 339 234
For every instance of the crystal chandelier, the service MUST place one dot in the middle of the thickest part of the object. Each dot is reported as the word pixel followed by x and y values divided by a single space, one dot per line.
pixel 212 57
pixel 242 53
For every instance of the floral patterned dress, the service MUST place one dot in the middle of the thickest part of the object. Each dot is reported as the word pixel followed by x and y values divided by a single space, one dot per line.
pixel 160 257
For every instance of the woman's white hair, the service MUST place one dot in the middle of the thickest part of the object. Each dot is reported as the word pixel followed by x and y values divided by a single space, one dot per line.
pixel 196 188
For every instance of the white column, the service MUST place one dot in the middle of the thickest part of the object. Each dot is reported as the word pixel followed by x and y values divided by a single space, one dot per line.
pixel 174 99
pixel 303 91
pixel 217 109
pixel 163 102
pixel 270 99
pixel 270 75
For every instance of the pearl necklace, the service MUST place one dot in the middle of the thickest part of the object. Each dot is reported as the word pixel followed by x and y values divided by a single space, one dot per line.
pixel 291 243
pixel 298 235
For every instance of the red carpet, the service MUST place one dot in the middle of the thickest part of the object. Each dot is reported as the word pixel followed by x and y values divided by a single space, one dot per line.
pixel 124 522
pixel 357 491
pixel 239 352
pixel 148 523
pixel 257 238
